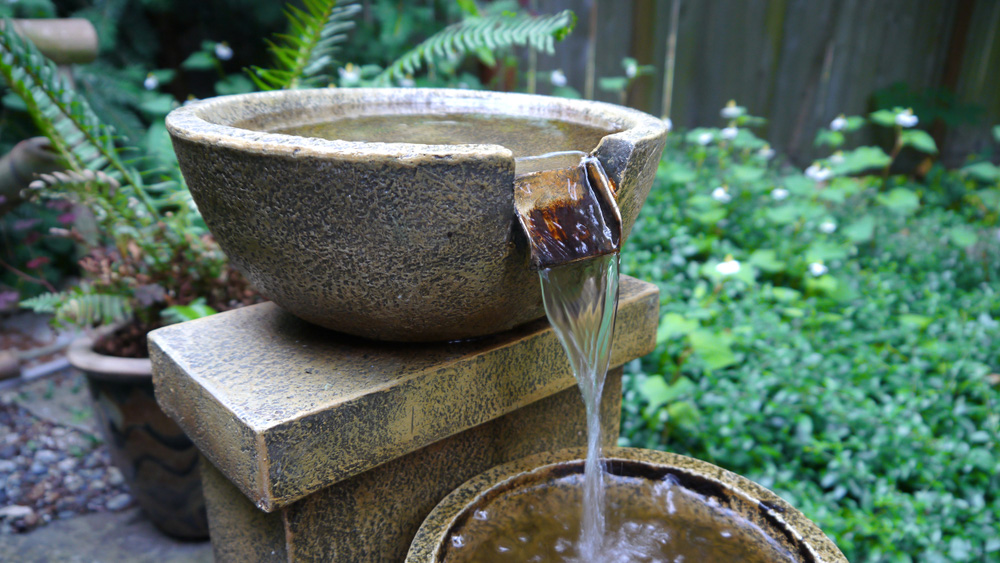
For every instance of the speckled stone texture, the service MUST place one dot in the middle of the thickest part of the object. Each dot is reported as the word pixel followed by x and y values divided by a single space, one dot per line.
pixel 388 241
pixel 284 408
pixel 783 523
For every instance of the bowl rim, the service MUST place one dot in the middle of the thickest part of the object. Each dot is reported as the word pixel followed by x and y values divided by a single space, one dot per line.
pixel 209 121
pixel 439 524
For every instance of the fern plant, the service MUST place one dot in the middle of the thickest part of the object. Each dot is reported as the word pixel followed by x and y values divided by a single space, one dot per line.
pixel 152 256
pixel 484 35
pixel 304 56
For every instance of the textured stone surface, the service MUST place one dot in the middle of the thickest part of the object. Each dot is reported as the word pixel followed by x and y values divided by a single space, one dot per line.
pixel 284 408
pixel 752 502
pixel 373 516
pixel 389 241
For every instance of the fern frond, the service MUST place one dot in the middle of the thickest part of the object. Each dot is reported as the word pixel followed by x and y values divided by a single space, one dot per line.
pixel 305 54
pixel 490 33
pixel 81 309
pixel 72 127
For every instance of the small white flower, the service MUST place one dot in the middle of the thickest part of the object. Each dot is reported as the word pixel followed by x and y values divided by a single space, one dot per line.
pixel 766 152
pixel 349 73
pixel 827 227
pixel 151 82
pixel 817 269
pixel 837 158
pixel 223 51
pixel 631 69
pixel 721 194
pixel 558 78
pixel 838 123
pixel 668 123
pixel 818 172
pixel 906 118
pixel 705 138
pixel 779 194
pixel 731 111
pixel 728 267
pixel 729 133
pixel 407 82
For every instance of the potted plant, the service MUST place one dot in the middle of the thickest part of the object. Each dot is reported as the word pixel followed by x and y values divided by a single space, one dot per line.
pixel 150 262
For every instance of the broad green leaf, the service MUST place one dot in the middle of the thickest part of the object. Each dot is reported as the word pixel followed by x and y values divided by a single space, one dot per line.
pixel 826 284
pixel 919 322
pixel 854 122
pixel 182 313
pixel 990 197
pixel 833 195
pixel 861 159
pixel 157 104
pixel 714 348
pixel 656 390
pixel 234 84
pixel 767 260
pixel 747 173
pixel 826 252
pixel 683 412
pixel 710 216
pixel 900 200
pixel 828 138
pixel 783 215
pixel 675 173
pixel 983 171
pixel 694 135
pixel 861 230
pixel 884 117
pixel 962 237
pixel 799 184
pixel 786 295
pixel 996 133
pixel 919 140
pixel 199 60
pixel 613 84
pixel 792 312
pixel 673 325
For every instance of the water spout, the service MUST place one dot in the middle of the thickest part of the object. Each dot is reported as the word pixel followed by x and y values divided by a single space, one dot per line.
pixel 568 213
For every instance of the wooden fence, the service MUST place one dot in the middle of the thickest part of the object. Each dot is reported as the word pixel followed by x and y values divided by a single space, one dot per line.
pixel 799 63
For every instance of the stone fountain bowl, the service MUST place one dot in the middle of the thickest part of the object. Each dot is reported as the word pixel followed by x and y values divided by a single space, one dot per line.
pixel 694 498
pixel 390 241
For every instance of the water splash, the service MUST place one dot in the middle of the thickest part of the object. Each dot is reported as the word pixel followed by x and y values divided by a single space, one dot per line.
pixel 581 301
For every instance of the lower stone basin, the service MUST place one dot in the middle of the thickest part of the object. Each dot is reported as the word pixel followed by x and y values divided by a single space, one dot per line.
pixel 662 507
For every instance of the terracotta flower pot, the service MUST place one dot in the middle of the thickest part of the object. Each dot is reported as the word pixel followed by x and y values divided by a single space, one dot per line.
pixel 159 462
pixel 728 516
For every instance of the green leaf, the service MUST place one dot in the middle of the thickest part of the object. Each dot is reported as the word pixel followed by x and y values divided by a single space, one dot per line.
pixel 962 237
pixel 983 171
pixel 783 215
pixel 828 138
pixel 767 260
pixel 199 60
pixel 656 390
pixel 786 295
pixel 919 322
pixel 919 140
pixel 743 173
pixel 673 325
pixel 900 200
pixel 861 230
pixel 862 159
pixel 854 122
pixel 613 84
pixel 708 217
pixel 825 252
pixel 234 84
pixel 884 117
pixel 799 184
pixel 996 133
pixel 714 348
pixel 181 313
pixel 157 104
pixel 683 413
pixel 675 173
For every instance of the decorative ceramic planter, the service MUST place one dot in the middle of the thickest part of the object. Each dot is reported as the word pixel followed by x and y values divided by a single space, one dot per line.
pixel 487 506
pixel 159 462
pixel 391 241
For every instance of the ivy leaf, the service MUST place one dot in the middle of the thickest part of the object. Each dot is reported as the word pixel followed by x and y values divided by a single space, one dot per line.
pixel 983 171
pixel 900 200
pixel 861 230
pixel 884 117
pixel 713 347
pixel 673 325
pixel 767 260
pixel 919 140
pixel 656 390
pixel 962 237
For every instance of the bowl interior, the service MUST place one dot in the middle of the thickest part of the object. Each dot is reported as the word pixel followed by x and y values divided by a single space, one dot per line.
pixel 654 514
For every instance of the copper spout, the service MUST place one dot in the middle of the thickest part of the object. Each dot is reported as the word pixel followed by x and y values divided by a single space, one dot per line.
pixel 568 214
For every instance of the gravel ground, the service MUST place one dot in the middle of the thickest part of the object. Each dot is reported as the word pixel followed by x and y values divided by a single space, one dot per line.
pixel 50 471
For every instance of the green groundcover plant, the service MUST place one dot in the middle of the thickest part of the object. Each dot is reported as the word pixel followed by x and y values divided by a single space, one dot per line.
pixel 833 335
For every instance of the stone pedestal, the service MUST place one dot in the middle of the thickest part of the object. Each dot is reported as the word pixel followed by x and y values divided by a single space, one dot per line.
pixel 319 446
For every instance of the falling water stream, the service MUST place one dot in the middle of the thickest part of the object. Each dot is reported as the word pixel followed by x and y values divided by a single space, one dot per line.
pixel 581 299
